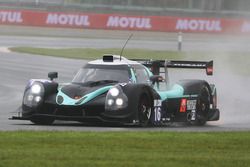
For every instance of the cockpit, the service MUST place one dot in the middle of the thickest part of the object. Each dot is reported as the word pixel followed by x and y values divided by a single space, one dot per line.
pixel 91 72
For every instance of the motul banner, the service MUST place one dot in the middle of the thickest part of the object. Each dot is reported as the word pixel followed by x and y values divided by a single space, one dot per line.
pixel 123 22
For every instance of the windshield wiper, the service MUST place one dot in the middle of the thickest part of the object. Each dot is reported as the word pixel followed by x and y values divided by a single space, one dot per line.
pixel 94 83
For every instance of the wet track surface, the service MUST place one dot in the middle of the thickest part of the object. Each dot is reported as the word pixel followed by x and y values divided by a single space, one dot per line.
pixel 168 43
pixel 16 69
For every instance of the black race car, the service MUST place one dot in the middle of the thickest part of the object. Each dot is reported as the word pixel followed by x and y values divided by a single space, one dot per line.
pixel 121 91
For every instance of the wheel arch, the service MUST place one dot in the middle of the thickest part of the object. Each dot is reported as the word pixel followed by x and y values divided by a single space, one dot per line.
pixel 193 87
pixel 135 91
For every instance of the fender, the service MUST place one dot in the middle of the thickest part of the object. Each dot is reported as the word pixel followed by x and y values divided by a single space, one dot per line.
pixel 193 87
pixel 133 92
pixel 50 88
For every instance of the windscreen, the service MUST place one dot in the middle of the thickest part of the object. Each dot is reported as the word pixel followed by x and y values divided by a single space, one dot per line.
pixel 99 73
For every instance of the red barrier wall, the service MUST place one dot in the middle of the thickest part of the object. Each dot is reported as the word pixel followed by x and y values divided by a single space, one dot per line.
pixel 123 22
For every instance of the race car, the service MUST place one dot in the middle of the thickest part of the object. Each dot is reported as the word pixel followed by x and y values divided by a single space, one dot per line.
pixel 117 90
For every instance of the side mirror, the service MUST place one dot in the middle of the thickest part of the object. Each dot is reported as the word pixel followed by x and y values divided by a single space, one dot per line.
pixel 52 75
pixel 156 79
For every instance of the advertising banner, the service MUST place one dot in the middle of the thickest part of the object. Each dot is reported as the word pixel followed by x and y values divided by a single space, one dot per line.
pixel 124 22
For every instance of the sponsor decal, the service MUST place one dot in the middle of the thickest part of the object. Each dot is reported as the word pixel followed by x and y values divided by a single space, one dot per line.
pixel 11 17
pixel 157 103
pixel 124 22
pixel 191 104
pixel 157 111
pixel 193 115
pixel 198 25
pixel 189 65
pixel 183 106
pixel 129 22
pixel 245 27
pixel 68 19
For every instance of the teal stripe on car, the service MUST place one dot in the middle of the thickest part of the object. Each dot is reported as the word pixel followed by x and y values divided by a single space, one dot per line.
pixel 69 101
pixel 176 91
pixel 133 75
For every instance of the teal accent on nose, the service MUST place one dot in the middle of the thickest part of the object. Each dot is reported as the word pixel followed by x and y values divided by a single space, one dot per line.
pixel 75 102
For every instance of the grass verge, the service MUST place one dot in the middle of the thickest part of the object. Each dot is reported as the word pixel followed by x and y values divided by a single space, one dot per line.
pixel 24 148
pixel 234 61
pixel 86 53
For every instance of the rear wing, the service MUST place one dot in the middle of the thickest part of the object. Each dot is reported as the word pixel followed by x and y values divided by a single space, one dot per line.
pixel 207 65
pixel 155 65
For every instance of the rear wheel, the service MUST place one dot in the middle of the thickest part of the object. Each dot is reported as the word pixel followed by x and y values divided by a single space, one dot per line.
pixel 43 120
pixel 144 110
pixel 215 100
pixel 203 104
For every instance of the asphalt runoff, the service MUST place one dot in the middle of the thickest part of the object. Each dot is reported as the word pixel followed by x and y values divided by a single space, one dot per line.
pixel 16 69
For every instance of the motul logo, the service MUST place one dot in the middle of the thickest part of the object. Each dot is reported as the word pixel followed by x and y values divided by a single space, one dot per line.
pixel 129 22
pixel 68 19
pixel 11 17
pixel 245 27
pixel 198 25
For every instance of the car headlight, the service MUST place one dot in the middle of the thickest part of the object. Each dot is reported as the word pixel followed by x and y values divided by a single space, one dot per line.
pixel 36 88
pixel 110 102
pixel 33 94
pixel 38 99
pixel 119 101
pixel 114 91
pixel 116 99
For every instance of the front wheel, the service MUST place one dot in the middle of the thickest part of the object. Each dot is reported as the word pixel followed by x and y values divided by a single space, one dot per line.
pixel 203 104
pixel 144 110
